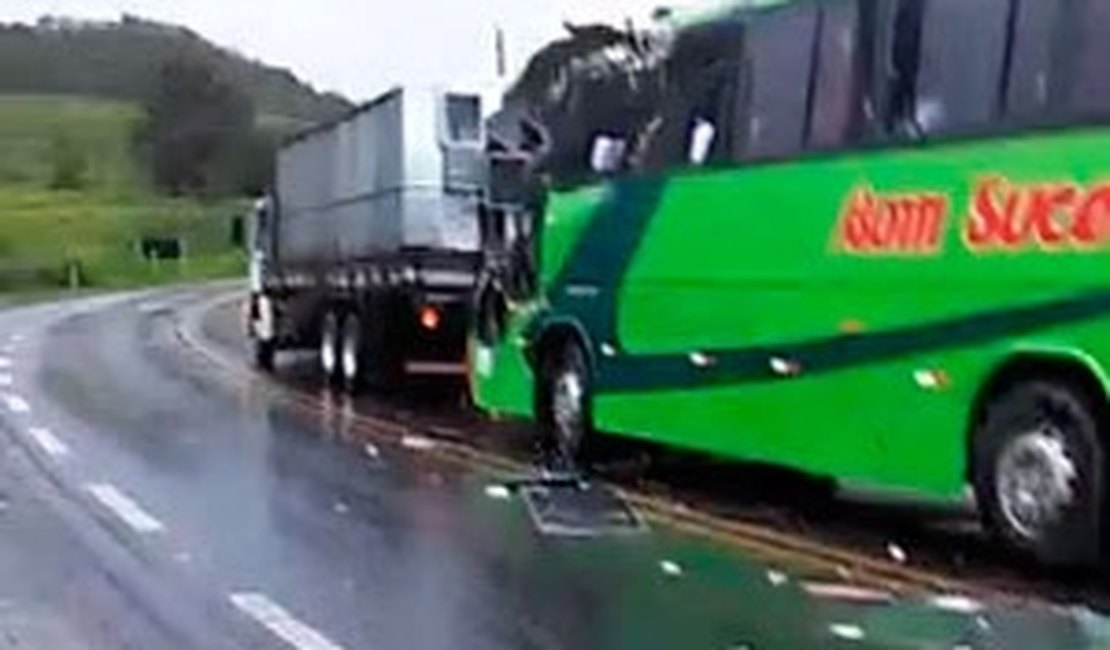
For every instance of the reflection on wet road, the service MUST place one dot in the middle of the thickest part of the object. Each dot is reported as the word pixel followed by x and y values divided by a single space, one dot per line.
pixel 174 508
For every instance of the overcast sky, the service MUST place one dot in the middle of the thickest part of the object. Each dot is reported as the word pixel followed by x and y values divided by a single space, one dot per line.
pixel 361 47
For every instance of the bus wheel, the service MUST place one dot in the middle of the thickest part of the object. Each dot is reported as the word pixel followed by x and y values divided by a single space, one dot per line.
pixel 263 353
pixel 1039 472
pixel 352 354
pixel 329 347
pixel 565 403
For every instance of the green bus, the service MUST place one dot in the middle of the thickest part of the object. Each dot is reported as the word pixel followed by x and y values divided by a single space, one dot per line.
pixel 866 239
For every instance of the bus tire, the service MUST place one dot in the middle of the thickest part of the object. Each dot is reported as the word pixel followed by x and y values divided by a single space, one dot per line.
pixel 263 353
pixel 352 354
pixel 565 405
pixel 329 347
pixel 1039 472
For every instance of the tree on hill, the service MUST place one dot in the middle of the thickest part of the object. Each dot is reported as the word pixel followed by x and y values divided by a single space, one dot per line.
pixel 196 126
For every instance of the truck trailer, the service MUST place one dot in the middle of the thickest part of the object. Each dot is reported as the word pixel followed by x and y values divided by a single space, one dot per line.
pixel 368 247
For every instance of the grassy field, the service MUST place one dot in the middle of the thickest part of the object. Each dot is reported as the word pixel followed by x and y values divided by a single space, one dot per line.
pixel 45 232
pixel 99 129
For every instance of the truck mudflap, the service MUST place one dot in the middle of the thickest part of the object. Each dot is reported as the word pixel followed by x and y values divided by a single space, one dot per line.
pixel 437 337
pixel 258 318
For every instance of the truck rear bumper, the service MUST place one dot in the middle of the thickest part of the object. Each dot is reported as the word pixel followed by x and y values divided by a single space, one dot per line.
pixel 435 368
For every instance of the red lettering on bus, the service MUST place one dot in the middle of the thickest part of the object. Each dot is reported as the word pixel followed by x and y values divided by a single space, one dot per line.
pixel 1044 212
pixel 1006 216
pixel 858 222
pixel 910 224
pixel 994 215
pixel 1092 218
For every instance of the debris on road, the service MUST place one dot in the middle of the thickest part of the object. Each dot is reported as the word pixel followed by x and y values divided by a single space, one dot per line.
pixel 417 443
pixel 897 553
pixel 956 603
pixel 565 505
pixel 836 591
pixel 670 568
pixel 447 433
pixel 498 491
pixel 776 578
pixel 846 631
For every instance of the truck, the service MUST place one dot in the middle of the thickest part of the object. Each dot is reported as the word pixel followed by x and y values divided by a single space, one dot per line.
pixel 368 247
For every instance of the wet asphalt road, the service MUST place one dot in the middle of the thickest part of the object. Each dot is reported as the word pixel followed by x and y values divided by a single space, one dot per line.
pixel 147 503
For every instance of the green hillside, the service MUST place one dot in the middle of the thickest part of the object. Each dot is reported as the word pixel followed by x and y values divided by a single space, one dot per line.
pixel 30 126
pixel 71 94
pixel 121 60
pixel 42 231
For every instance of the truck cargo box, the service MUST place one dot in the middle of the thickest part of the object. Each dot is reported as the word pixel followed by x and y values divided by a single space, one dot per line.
pixel 399 173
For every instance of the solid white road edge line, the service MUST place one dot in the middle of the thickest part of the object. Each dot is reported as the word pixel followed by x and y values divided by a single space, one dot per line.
pixel 275 618
pixel 125 508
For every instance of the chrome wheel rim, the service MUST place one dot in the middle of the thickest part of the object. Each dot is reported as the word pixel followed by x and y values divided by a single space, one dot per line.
pixel 349 358
pixel 1035 481
pixel 327 348
pixel 567 408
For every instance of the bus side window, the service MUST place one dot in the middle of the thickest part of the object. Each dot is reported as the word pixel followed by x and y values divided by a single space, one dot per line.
pixel 661 145
pixel 1030 77
pixel 773 101
pixel 838 110
pixel 962 55
pixel 1087 93
pixel 691 127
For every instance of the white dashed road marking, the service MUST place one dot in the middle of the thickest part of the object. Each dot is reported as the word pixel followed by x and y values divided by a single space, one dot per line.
pixel 275 618
pixel 16 404
pixel 125 508
pixel 49 443
pixel 5 362
pixel 5 379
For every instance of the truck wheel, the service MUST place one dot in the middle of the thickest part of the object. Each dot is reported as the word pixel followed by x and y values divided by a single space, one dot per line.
pixel 352 354
pixel 1039 472
pixel 263 354
pixel 329 347
pixel 564 405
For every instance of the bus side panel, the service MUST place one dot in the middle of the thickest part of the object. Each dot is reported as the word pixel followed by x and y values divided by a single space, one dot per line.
pixel 750 263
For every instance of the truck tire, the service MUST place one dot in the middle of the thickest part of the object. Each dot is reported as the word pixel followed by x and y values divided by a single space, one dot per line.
pixel 564 405
pixel 329 347
pixel 1039 473
pixel 352 354
pixel 263 354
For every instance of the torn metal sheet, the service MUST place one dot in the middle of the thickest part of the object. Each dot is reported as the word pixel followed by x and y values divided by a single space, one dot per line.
pixel 579 510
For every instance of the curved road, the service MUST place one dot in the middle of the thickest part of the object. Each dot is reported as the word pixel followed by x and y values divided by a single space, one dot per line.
pixel 148 499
